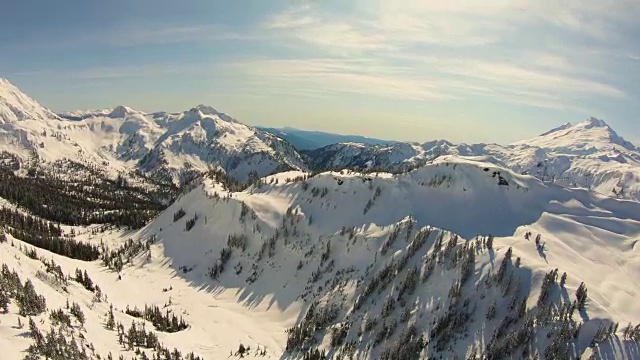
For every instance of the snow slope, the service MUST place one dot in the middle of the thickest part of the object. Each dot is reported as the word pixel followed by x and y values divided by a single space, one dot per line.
pixel 590 237
pixel 218 322
pixel 16 106
pixel 83 114
pixel 296 241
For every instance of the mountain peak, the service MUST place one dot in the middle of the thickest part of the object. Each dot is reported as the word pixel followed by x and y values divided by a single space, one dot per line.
pixel 205 109
pixel 592 122
pixel 585 137
pixel 121 111
pixel 589 123
pixel 17 106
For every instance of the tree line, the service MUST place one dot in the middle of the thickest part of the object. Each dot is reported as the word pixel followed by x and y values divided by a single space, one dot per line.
pixel 45 235
pixel 163 321
pixel 88 201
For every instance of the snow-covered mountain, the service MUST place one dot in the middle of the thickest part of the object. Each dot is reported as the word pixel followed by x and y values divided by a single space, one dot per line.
pixel 168 145
pixel 16 106
pixel 83 114
pixel 202 138
pixel 588 154
pixel 379 266
pixel 589 136
pixel 454 251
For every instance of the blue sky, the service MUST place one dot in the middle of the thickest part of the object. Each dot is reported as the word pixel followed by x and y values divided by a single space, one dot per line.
pixel 473 71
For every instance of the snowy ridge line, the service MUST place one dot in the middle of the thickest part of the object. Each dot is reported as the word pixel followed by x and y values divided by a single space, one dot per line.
pixel 175 147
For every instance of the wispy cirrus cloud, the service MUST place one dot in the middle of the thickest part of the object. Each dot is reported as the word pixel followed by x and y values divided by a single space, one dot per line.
pixel 510 75
pixel 467 59
pixel 334 76
pixel 457 49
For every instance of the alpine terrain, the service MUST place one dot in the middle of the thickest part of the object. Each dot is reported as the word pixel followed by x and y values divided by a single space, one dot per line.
pixel 588 154
pixel 133 235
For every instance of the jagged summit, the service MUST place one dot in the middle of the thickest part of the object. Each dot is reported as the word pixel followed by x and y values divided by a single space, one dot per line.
pixel 17 106
pixel 205 109
pixel 210 111
pixel 594 122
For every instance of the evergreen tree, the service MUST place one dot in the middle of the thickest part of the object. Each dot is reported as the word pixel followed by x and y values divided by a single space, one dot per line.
pixel 76 311
pixel 581 296
pixel 563 279
pixel 88 283
pixel 490 242
pixel 4 300
pixel 29 302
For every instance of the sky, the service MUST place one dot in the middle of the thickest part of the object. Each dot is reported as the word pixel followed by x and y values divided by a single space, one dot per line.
pixel 467 71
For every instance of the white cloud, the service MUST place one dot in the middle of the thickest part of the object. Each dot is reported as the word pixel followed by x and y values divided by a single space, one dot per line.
pixel 594 18
pixel 540 53
pixel 331 76
pixel 513 76
pixel 454 49
pixel 307 27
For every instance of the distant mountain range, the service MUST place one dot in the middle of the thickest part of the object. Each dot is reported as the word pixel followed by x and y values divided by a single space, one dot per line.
pixel 310 140
pixel 588 154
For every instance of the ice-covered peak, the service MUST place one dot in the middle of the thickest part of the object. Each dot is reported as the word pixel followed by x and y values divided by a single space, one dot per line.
pixel 591 123
pixel 17 106
pixel 599 130
pixel 120 112
pixel 208 111
pixel 205 109
pixel 437 143
pixel 583 138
